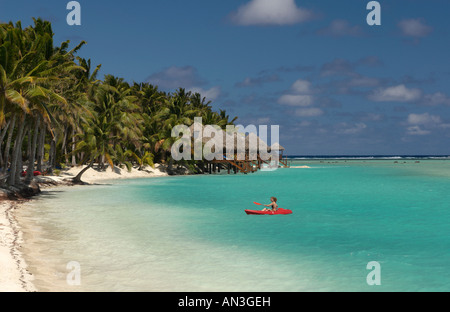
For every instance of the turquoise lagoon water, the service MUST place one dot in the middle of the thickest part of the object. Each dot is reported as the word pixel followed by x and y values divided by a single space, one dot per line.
pixel 190 233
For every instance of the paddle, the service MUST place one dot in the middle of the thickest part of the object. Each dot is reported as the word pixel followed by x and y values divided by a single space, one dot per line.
pixel 263 205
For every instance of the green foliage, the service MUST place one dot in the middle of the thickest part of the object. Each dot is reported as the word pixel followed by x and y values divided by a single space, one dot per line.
pixel 83 119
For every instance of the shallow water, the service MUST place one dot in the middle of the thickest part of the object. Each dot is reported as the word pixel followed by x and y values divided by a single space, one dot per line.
pixel 190 233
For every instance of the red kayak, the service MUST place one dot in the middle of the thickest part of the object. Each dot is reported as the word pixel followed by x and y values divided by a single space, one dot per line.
pixel 280 211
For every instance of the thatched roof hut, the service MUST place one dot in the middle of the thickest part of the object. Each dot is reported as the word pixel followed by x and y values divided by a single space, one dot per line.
pixel 250 143
pixel 276 147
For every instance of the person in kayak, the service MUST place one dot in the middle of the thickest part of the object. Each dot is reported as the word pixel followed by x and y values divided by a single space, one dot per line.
pixel 273 205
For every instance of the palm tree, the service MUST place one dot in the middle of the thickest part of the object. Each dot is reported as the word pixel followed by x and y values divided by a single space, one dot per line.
pixel 20 87
pixel 29 70
pixel 50 97
pixel 113 126
pixel 83 87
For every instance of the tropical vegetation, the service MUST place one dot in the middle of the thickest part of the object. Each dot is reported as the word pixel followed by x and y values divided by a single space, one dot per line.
pixel 55 112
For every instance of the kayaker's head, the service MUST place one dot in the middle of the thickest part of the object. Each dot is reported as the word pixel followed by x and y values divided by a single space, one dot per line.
pixel 273 199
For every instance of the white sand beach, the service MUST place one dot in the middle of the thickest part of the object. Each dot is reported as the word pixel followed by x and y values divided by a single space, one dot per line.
pixel 94 176
pixel 14 276
pixel 13 273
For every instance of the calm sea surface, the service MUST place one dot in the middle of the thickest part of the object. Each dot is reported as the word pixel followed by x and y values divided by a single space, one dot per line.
pixel 191 233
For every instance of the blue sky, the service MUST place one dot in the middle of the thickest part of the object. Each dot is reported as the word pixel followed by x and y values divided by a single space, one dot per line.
pixel 335 85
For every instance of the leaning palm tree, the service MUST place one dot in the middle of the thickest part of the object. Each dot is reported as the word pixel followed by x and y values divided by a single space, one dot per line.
pixel 94 142
pixel 87 145
pixel 30 69
pixel 20 85
pixel 112 126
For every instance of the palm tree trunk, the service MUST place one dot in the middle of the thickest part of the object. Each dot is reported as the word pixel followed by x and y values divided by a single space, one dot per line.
pixel 40 149
pixel 74 160
pixel 63 147
pixel 51 156
pixel 16 150
pixel 170 166
pixel 28 134
pixel 8 143
pixel 77 179
pixel 19 165
pixel 2 136
pixel 31 156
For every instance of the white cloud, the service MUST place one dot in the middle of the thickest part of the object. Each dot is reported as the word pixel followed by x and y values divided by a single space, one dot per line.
pixel 398 93
pixel 301 86
pixel 295 100
pixel 210 94
pixel 299 94
pixel 374 117
pixel 343 67
pixel 444 126
pixel 341 28
pixel 414 27
pixel 308 112
pixel 186 77
pixel 416 130
pixel 270 12
pixel 176 77
pixel 437 98
pixel 344 128
pixel 362 81
pixel 420 124
pixel 258 81
pixel 338 67
pixel 305 123
pixel 424 119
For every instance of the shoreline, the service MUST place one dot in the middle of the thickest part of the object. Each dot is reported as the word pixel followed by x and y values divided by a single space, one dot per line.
pixel 14 274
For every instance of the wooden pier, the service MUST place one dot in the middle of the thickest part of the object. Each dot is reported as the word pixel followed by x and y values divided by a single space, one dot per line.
pixel 247 165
